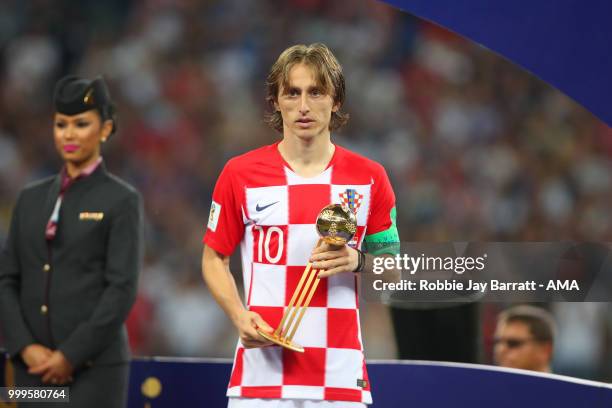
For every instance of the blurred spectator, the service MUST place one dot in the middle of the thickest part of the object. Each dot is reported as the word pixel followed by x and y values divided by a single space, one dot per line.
pixel 524 338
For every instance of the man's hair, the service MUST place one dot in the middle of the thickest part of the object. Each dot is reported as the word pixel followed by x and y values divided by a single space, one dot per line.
pixel 540 322
pixel 328 75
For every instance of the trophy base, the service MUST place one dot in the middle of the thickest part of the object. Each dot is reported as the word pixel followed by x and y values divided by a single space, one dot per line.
pixel 281 342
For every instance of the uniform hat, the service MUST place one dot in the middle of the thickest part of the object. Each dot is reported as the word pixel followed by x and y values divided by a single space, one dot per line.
pixel 74 95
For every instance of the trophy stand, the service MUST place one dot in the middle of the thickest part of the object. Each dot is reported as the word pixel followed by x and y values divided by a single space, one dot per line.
pixel 336 225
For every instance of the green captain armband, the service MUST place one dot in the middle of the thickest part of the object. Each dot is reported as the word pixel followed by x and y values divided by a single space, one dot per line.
pixel 383 242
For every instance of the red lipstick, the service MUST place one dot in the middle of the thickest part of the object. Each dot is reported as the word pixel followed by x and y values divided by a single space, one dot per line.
pixel 71 148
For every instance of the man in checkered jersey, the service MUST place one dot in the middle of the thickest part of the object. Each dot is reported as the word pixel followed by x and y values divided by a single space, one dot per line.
pixel 267 200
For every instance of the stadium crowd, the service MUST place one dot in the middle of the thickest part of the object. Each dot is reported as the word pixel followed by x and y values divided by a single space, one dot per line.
pixel 476 148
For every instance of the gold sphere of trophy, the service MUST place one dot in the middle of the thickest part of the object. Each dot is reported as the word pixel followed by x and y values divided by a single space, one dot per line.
pixel 336 225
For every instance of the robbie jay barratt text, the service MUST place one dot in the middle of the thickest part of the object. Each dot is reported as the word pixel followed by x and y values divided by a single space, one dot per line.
pixel 472 285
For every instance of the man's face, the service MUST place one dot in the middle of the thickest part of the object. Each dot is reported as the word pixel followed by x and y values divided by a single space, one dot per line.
pixel 515 347
pixel 305 106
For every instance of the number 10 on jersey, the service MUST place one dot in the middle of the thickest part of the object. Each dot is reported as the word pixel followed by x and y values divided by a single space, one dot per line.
pixel 270 243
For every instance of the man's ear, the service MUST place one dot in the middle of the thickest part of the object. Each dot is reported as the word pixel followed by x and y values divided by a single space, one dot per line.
pixel 549 347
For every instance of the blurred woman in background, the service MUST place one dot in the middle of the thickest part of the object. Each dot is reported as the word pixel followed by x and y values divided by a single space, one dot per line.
pixel 69 268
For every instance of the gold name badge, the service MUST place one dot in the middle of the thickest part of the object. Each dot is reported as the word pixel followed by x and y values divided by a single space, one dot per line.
pixel 91 216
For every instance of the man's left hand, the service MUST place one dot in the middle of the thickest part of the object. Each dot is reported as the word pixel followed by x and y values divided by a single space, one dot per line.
pixel 56 370
pixel 332 259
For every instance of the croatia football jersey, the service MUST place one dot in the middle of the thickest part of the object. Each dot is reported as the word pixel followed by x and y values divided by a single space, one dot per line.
pixel 261 204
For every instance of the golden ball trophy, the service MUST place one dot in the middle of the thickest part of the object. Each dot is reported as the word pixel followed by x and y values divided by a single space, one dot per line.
pixel 336 225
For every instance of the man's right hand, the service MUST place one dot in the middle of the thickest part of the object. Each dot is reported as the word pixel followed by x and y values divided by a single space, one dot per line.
pixel 247 325
pixel 35 354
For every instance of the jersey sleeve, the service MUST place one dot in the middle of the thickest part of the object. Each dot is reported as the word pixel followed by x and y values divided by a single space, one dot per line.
pixel 225 227
pixel 382 236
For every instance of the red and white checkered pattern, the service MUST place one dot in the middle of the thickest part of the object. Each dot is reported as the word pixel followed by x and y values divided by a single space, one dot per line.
pixel 344 199
pixel 271 212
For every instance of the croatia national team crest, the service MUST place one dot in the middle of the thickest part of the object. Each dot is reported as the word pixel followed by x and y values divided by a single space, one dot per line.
pixel 351 199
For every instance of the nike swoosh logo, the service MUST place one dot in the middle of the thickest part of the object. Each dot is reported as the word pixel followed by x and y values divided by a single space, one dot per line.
pixel 258 208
